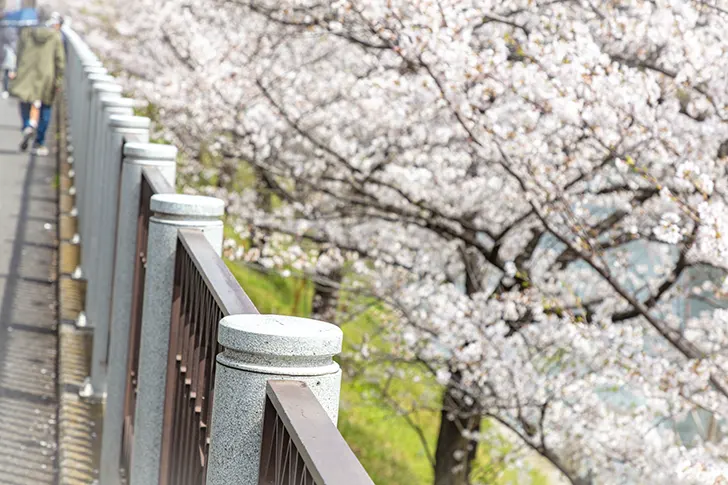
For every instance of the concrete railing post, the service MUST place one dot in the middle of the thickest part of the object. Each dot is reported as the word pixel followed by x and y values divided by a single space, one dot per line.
pixel 89 186
pixel 92 74
pixel 87 67
pixel 169 213
pixel 136 157
pixel 79 124
pixel 110 105
pixel 259 348
pixel 105 124
pixel 76 62
pixel 79 57
pixel 115 105
pixel 101 241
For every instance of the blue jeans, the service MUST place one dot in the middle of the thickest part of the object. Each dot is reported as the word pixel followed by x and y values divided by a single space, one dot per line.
pixel 45 119
pixel 6 79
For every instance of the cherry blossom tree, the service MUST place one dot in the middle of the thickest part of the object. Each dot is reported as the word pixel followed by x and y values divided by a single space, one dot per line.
pixel 534 188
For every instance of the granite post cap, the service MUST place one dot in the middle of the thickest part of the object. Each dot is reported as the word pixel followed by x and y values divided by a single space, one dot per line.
pixel 88 59
pixel 95 68
pixel 115 101
pixel 187 205
pixel 118 110
pixel 150 151
pixel 105 86
pixel 100 76
pixel 82 50
pixel 280 336
pixel 121 121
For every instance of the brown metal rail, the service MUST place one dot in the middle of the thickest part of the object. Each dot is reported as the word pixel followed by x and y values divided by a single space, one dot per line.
pixel 152 183
pixel 301 445
pixel 204 292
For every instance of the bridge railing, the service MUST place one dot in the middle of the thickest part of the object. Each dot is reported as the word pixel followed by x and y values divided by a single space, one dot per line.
pixel 198 387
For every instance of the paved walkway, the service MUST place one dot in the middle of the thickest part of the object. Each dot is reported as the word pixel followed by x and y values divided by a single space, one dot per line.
pixel 28 337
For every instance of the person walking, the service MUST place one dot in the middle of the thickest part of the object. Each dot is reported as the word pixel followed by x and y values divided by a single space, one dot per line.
pixel 41 64
pixel 8 39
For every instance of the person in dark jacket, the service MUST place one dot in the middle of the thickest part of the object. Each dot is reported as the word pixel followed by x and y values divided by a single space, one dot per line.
pixel 41 65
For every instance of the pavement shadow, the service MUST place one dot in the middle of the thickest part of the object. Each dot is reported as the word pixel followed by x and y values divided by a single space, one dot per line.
pixel 28 342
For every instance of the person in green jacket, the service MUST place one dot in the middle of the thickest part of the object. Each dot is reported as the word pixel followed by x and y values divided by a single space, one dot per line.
pixel 41 65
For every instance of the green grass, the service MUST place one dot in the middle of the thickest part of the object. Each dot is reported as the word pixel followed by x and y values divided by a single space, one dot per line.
pixel 273 293
pixel 387 447
pixel 151 111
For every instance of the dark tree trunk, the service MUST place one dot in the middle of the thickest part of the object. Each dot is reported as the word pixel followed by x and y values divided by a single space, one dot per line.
pixel 264 197
pixel 226 174
pixel 455 453
pixel 325 296
pixel 266 187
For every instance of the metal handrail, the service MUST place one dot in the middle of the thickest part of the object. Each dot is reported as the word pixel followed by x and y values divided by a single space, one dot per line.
pixel 300 443
pixel 204 292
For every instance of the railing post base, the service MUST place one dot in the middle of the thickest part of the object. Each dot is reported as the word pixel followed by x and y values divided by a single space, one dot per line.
pixel 81 320
pixel 87 393
pixel 77 273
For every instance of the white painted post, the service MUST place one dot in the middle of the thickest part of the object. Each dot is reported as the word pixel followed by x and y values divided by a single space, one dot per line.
pixel 259 348
pixel 170 212
pixel 136 157
pixel 102 240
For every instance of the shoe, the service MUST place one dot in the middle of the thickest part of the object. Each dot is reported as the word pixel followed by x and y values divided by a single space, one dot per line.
pixel 27 135
pixel 40 150
pixel 5 95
